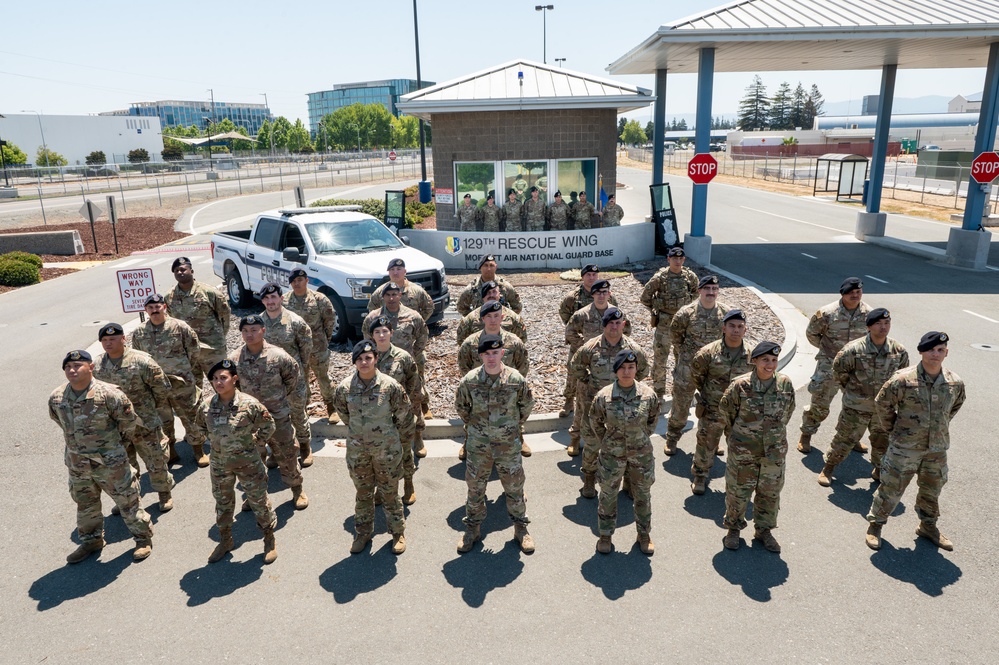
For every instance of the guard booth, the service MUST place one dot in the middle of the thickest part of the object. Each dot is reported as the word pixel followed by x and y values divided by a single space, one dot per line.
pixel 840 173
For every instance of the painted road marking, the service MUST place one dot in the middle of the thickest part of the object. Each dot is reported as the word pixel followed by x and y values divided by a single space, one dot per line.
pixel 792 219
pixel 876 279
pixel 809 256
pixel 158 261
pixel 968 311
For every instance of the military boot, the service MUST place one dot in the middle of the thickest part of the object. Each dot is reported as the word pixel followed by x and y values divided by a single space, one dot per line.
pixel 566 408
pixel 398 544
pixel 699 486
pixel 931 533
pixel 166 502
pixel 143 548
pixel 298 496
pixel 225 545
pixel 173 458
pixel 645 544
pixel 604 545
pixel 876 474
pixel 732 540
pixel 766 537
pixel 589 488
pixel 525 450
pixel 85 550
pixel 419 448
pixel 874 536
pixel 720 450
pixel 573 448
pixel 427 413
pixel 825 476
pixel 860 447
pixel 671 442
pixel 305 454
pixel 461 453
pixel 200 458
pixel 408 492
pixel 331 415
pixel 361 541
pixel 468 539
pixel 805 444
pixel 523 538
pixel 115 510
pixel 270 549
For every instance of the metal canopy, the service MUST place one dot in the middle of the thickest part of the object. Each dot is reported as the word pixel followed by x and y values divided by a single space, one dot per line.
pixel 790 35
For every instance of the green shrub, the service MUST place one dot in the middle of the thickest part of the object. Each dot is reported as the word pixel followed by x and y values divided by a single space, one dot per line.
pixel 18 273
pixel 24 257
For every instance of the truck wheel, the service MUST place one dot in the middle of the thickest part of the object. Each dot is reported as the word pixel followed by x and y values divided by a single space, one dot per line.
pixel 238 296
pixel 342 327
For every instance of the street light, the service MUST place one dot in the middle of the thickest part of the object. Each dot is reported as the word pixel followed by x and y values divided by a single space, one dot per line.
pixel 560 61
pixel 270 139
pixel 42 132
pixel 544 9
pixel 3 162
pixel 419 85
pixel 211 165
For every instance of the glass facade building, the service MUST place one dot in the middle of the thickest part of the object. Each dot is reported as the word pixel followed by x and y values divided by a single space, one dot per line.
pixel 386 93
pixel 186 113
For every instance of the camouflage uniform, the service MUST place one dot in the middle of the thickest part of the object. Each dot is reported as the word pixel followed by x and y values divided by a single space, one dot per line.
pixel 575 300
pixel 829 330
pixel 513 216
pixel 379 417
pixel 399 365
pixel 291 333
pixel 272 377
pixel 691 328
pixel 96 425
pixel 414 296
pixel 534 214
pixel 582 215
pixel 468 218
pixel 611 216
pixel 409 333
pixel 664 294
pixel 592 367
pixel 516 353
pixel 472 323
pixel 711 371
pixel 622 422
pixel 558 215
pixel 490 218
pixel 582 326
pixel 317 311
pixel 756 414
pixel 176 349
pixel 860 370
pixel 916 410
pixel 471 297
pixel 206 310
pixel 138 376
pixel 494 409
pixel 237 430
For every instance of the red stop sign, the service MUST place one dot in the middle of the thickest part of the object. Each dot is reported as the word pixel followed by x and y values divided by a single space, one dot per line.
pixel 702 168
pixel 392 156
pixel 985 167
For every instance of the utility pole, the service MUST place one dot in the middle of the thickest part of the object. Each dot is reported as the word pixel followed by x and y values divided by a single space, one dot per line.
pixel 419 85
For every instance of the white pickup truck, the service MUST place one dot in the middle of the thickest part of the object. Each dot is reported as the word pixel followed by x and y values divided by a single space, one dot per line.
pixel 344 251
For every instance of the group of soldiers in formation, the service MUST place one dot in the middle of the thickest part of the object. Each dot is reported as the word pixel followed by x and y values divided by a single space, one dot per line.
pixel 121 407
pixel 535 214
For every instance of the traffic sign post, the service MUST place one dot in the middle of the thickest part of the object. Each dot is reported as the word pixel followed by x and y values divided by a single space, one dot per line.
pixel 985 168
pixel 702 169
pixel 113 218
pixel 91 212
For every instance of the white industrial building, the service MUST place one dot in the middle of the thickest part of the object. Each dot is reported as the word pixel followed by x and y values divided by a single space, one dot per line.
pixel 76 136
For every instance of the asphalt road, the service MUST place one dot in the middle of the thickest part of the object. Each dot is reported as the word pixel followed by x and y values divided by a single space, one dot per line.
pixel 826 598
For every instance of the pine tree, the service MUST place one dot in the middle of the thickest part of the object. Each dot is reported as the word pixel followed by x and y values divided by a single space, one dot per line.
pixel 780 108
pixel 797 117
pixel 754 107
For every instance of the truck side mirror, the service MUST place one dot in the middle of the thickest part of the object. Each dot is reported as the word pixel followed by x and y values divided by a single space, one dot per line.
pixel 292 254
pixel 405 240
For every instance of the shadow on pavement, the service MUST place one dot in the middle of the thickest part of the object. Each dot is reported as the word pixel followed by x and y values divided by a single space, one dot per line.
pixel 753 568
pixel 360 573
pixel 76 581
pixel 679 464
pixel 571 466
pixel 709 506
pixel 482 570
pixel 214 580
pixel 497 519
pixel 584 512
pixel 923 566
pixel 617 573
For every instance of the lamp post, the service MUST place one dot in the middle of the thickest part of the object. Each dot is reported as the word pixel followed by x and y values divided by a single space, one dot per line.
pixel 560 61
pixel 424 188
pixel 270 139
pixel 544 9
pixel 3 162
pixel 211 165
pixel 42 132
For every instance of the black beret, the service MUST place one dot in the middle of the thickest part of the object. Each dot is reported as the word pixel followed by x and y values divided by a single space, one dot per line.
pixel 490 306
pixel 396 263
pixel 251 320
pixel 676 251
pixel 878 314
pixel 511 191
pixel 487 257
pixel 467 196
pixel 734 314
pixel 110 329
pixel 706 280
pixel 489 342
pixel 225 364
pixel 599 285
pixel 362 347
pixel 763 348
pixel 179 262
pixel 589 267
pixel 154 299
pixel 610 196
pixel 850 284
pixel 612 314
pixel 558 193
pixel 269 288
pixel 486 287
pixel 381 322
pixel 931 339
pixel 76 356
pixel 296 273
pixel 624 356
pixel 490 196
pixel 391 286
pixel 534 189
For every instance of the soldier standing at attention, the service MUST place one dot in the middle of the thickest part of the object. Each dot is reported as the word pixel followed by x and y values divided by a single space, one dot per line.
pixel 471 297
pixel 468 215
pixel 472 323
pixel 860 369
pixel 612 213
pixel 137 375
pixel 558 214
pixel 623 417
pixel 237 424
pixel 513 213
pixel 96 419
pixel 711 371
pixel 583 213
pixel 535 210
pixel 288 331
pixel 829 330
pixel 176 349
pixel 269 374
pixel 317 311
pixel 203 308
pixel 409 332
pixel 379 418
pixel 414 296
pixel 916 406
pixel 756 408
pixel 669 289
pixel 491 216
pixel 692 327
pixel 494 401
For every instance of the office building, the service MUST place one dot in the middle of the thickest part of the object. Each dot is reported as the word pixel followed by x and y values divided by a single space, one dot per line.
pixel 199 113
pixel 386 93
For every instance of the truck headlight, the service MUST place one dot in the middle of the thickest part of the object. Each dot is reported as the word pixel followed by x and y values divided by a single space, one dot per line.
pixel 356 286
pixel 441 271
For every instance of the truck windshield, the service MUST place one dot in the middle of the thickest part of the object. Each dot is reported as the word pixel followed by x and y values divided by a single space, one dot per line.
pixel 365 235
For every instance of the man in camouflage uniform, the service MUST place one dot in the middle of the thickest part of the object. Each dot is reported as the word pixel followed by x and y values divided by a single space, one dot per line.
pixel 558 214
pixel 583 213
pixel 829 330
pixel 137 375
pixel 494 401
pixel 468 215
pixel 290 332
pixel 205 309
pixel 612 213
pixel 591 367
pixel 269 374
pixel 396 363
pixel 693 326
pixel 513 213
pixel 916 406
pixel 414 296
pixel 491 216
pixel 409 333
pixel 472 322
pixel 379 418
pixel 491 317
pixel 471 297
pixel 860 369
pixel 96 419
pixel 318 313
pixel 711 371
pixel 238 425
pixel 669 289
pixel 756 408
pixel 623 417
pixel 535 209
pixel 176 349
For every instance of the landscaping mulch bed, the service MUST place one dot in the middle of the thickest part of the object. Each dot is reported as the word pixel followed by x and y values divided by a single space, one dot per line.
pixel 135 234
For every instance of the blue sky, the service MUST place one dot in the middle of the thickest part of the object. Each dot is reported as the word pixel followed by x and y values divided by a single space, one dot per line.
pixel 71 57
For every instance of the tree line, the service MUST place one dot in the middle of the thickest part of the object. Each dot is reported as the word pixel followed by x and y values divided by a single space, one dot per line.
pixel 630 132
pixel 787 109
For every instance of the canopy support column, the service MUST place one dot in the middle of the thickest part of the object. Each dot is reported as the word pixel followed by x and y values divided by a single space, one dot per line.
pixel 696 244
